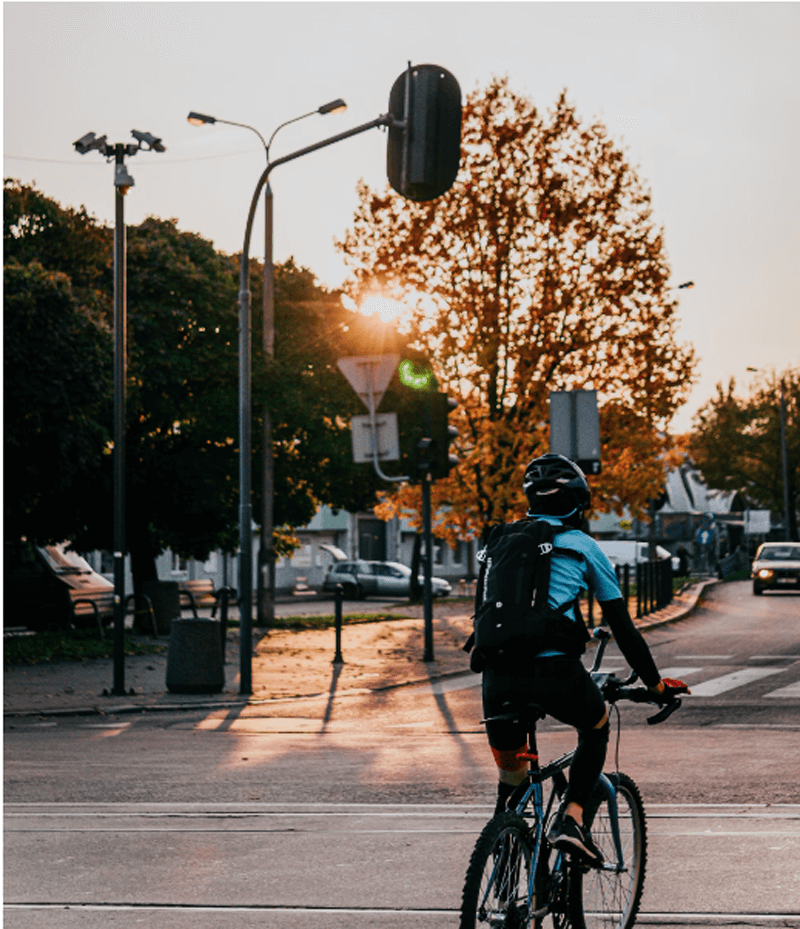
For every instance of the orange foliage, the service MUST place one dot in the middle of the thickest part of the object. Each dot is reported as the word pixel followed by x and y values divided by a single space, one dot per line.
pixel 543 271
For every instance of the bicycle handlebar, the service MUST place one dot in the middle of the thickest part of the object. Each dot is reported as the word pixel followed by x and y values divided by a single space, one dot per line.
pixel 613 689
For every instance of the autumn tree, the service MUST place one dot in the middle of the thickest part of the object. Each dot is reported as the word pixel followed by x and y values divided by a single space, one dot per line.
pixel 541 269
pixel 736 443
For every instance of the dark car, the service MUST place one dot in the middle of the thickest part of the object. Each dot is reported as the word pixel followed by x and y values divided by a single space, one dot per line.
pixel 377 579
pixel 41 583
pixel 776 567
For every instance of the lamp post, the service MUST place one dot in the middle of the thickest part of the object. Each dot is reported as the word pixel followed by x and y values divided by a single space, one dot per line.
pixel 784 461
pixel 122 184
pixel 265 601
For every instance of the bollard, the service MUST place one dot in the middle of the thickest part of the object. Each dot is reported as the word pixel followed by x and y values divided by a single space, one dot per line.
pixel 224 595
pixel 337 658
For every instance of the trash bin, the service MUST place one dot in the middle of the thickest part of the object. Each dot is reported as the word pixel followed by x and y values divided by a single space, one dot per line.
pixel 195 663
pixel 166 599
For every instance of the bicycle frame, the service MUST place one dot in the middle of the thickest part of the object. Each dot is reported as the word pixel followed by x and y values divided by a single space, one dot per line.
pixel 534 796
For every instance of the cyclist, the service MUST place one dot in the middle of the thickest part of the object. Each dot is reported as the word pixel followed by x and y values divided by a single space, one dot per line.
pixel 557 491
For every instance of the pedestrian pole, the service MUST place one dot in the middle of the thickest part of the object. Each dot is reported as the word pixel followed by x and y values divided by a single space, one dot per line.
pixel 120 374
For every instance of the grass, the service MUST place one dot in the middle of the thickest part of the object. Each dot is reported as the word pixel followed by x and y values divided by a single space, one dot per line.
pixel 74 645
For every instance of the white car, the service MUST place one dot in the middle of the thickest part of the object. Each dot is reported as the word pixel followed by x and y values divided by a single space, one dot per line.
pixel 776 567
pixel 621 552
pixel 377 578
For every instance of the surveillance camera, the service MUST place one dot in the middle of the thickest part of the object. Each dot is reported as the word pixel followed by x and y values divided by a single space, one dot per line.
pixel 147 138
pixel 88 142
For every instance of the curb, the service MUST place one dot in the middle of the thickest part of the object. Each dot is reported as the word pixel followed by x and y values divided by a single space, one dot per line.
pixel 642 625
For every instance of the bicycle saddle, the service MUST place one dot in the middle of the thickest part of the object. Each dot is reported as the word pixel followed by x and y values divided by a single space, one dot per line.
pixel 529 713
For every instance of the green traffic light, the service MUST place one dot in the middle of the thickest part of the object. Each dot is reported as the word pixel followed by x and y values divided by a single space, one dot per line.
pixel 418 380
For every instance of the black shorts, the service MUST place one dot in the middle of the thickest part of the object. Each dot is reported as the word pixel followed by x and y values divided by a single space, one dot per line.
pixel 561 686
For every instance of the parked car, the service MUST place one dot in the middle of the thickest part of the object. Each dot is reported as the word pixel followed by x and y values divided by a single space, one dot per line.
pixel 377 579
pixel 40 584
pixel 776 567
pixel 620 552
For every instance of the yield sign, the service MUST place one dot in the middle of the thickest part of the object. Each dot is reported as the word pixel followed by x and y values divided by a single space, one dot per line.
pixel 369 376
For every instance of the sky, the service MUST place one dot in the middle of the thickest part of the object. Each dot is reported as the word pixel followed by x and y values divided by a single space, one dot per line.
pixel 703 97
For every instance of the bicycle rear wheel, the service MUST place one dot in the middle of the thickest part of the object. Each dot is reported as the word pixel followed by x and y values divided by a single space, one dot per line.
pixel 609 898
pixel 495 891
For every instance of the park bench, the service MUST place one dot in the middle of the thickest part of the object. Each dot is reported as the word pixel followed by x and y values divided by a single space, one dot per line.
pixel 201 594
pixel 99 605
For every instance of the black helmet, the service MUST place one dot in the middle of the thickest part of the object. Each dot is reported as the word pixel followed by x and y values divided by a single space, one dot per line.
pixel 555 472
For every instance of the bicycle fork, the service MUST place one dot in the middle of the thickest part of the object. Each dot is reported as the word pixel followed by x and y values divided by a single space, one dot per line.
pixel 610 797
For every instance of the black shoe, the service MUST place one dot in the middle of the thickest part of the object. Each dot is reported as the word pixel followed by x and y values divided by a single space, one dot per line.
pixel 569 836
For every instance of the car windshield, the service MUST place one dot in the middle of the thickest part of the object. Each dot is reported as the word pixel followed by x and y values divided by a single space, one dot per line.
pixel 784 553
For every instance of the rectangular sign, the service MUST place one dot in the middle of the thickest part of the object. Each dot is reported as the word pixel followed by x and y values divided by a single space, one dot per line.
pixel 575 427
pixel 387 437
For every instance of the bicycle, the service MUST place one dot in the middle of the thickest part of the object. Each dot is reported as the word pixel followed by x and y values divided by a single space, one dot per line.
pixel 515 879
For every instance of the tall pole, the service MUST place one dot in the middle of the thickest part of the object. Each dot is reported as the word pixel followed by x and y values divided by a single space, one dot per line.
pixel 245 406
pixel 120 372
pixel 427 597
pixel 266 555
pixel 785 466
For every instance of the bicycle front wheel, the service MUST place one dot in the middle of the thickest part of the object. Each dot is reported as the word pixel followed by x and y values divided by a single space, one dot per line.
pixel 495 891
pixel 609 897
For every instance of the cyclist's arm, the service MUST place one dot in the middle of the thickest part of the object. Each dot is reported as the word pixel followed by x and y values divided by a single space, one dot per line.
pixel 631 643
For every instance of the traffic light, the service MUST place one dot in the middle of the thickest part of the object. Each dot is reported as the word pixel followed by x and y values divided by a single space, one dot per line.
pixel 432 435
pixel 442 434
pixel 424 147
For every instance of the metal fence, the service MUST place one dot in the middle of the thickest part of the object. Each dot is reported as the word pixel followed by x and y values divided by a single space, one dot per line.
pixel 648 583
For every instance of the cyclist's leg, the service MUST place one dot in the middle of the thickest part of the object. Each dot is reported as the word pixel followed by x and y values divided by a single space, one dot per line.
pixel 570 695
pixel 506 738
pixel 609 898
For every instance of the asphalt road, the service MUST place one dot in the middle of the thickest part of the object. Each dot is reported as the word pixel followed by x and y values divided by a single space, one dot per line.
pixel 361 810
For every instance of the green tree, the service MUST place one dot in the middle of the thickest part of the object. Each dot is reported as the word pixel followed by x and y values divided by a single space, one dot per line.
pixel 56 381
pixel 736 443
pixel 182 406
pixel 37 228
pixel 540 269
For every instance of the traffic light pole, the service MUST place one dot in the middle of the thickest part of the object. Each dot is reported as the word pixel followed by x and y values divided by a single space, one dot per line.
pixel 427 600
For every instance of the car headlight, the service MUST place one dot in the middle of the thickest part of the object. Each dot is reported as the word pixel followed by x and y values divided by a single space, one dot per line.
pixel 764 573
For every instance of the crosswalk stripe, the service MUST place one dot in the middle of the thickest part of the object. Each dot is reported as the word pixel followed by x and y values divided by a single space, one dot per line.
pixel 679 672
pixel 791 690
pixel 719 685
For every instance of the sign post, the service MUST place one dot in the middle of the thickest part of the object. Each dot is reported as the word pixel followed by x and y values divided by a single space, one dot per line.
pixel 575 427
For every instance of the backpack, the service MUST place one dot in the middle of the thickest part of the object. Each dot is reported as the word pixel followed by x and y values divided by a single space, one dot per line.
pixel 513 621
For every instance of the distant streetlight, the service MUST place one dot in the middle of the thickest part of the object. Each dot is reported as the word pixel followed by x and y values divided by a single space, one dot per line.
pixel 122 184
pixel 265 602
pixel 784 460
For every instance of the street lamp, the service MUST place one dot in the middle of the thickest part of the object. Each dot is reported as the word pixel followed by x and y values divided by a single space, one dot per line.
pixel 784 461
pixel 122 184
pixel 265 602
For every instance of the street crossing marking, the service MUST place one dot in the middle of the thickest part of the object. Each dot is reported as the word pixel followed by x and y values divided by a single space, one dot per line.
pixel 700 657
pixel 680 672
pixel 719 685
pixel 791 690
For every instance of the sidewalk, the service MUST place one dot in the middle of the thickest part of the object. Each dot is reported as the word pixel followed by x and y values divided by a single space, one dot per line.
pixel 285 665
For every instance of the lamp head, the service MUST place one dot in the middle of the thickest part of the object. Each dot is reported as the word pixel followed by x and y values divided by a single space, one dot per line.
pixel 122 178
pixel 335 106
pixel 200 119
